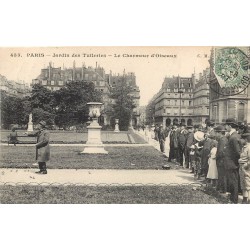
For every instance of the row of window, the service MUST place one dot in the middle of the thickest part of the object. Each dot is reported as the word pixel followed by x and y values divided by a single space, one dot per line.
pixel 175 103
pixel 45 82
pixel 178 95
pixel 177 90
pixel 78 76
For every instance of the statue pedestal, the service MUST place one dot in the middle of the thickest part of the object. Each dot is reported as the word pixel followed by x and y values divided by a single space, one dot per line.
pixel 30 127
pixel 94 144
pixel 116 128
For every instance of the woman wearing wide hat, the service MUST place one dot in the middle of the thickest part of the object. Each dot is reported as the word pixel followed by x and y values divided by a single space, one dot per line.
pixel 244 169
pixel 199 137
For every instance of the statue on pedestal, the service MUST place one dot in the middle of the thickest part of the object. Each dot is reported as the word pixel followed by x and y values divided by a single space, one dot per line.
pixel 116 125
pixel 94 144
pixel 30 124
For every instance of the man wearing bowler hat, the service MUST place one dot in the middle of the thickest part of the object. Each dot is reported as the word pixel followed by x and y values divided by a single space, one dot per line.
pixel 189 142
pixel 42 147
pixel 232 155
pixel 161 137
pixel 182 138
pixel 220 158
pixel 210 129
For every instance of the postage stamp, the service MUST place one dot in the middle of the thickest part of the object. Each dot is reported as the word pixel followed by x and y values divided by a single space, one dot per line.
pixel 231 67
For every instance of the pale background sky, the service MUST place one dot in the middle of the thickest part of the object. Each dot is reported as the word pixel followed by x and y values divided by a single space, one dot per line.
pixel 149 71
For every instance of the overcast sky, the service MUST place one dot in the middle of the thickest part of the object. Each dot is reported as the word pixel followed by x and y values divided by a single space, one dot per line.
pixel 150 70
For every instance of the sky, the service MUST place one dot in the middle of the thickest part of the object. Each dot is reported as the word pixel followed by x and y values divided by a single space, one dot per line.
pixel 150 64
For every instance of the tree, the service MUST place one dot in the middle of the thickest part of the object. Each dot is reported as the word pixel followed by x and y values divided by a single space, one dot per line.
pixel 71 102
pixel 123 103
pixel 42 98
pixel 13 110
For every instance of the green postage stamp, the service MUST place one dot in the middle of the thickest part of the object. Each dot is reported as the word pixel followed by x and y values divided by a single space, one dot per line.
pixel 231 67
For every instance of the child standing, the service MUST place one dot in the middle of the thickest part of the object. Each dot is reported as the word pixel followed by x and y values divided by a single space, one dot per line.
pixel 212 169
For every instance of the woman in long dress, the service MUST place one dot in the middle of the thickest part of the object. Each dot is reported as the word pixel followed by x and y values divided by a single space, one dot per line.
pixel 212 169
pixel 244 170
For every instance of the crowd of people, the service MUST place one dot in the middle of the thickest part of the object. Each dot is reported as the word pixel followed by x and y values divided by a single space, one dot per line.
pixel 218 155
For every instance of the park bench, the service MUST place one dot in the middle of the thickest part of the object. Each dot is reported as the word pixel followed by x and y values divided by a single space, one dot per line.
pixel 22 139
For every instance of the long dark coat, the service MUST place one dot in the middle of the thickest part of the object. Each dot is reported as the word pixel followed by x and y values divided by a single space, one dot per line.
pixel 232 151
pixel 173 139
pixel 42 146
pixel 221 147
pixel 182 138
pixel 207 144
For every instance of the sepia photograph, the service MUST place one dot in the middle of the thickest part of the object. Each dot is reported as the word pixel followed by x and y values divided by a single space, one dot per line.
pixel 125 125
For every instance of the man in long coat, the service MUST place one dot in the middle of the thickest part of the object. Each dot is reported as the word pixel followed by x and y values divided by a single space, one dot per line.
pixel 182 138
pixel 189 142
pixel 232 155
pixel 220 158
pixel 161 138
pixel 173 153
pixel 207 145
pixel 42 147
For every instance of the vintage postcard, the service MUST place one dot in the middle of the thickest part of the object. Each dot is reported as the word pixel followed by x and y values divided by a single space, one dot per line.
pixel 164 125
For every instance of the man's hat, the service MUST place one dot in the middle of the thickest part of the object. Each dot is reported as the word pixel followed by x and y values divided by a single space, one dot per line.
pixel 247 132
pixel 43 123
pixel 220 128
pixel 242 125
pixel 210 123
pixel 230 121
pixel 199 136
pixel 190 126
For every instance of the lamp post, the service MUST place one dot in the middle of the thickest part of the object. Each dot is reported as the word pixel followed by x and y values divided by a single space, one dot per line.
pixel 180 91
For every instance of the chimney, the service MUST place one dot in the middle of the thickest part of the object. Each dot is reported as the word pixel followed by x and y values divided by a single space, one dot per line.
pixel 49 70
pixel 74 70
pixel 82 70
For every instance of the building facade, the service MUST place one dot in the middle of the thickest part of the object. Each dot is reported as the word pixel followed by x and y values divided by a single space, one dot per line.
pixel 201 98
pixel 14 88
pixel 55 78
pixel 181 100
pixel 222 107
pixel 129 79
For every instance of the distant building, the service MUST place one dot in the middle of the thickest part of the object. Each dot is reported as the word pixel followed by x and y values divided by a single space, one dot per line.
pixel 227 106
pixel 201 98
pixel 130 80
pixel 55 78
pixel 14 88
pixel 181 100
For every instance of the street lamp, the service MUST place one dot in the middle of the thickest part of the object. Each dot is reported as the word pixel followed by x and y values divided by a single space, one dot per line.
pixel 180 91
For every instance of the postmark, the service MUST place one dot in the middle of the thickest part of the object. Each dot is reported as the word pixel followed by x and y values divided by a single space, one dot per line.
pixel 231 68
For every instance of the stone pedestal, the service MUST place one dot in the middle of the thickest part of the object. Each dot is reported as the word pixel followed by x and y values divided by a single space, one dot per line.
pixel 94 144
pixel 116 126
pixel 30 124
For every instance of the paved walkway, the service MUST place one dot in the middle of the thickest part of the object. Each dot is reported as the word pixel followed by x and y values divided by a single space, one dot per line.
pixel 100 177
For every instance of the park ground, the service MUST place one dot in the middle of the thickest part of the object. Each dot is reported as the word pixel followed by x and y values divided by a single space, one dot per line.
pixel 180 194
pixel 131 173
